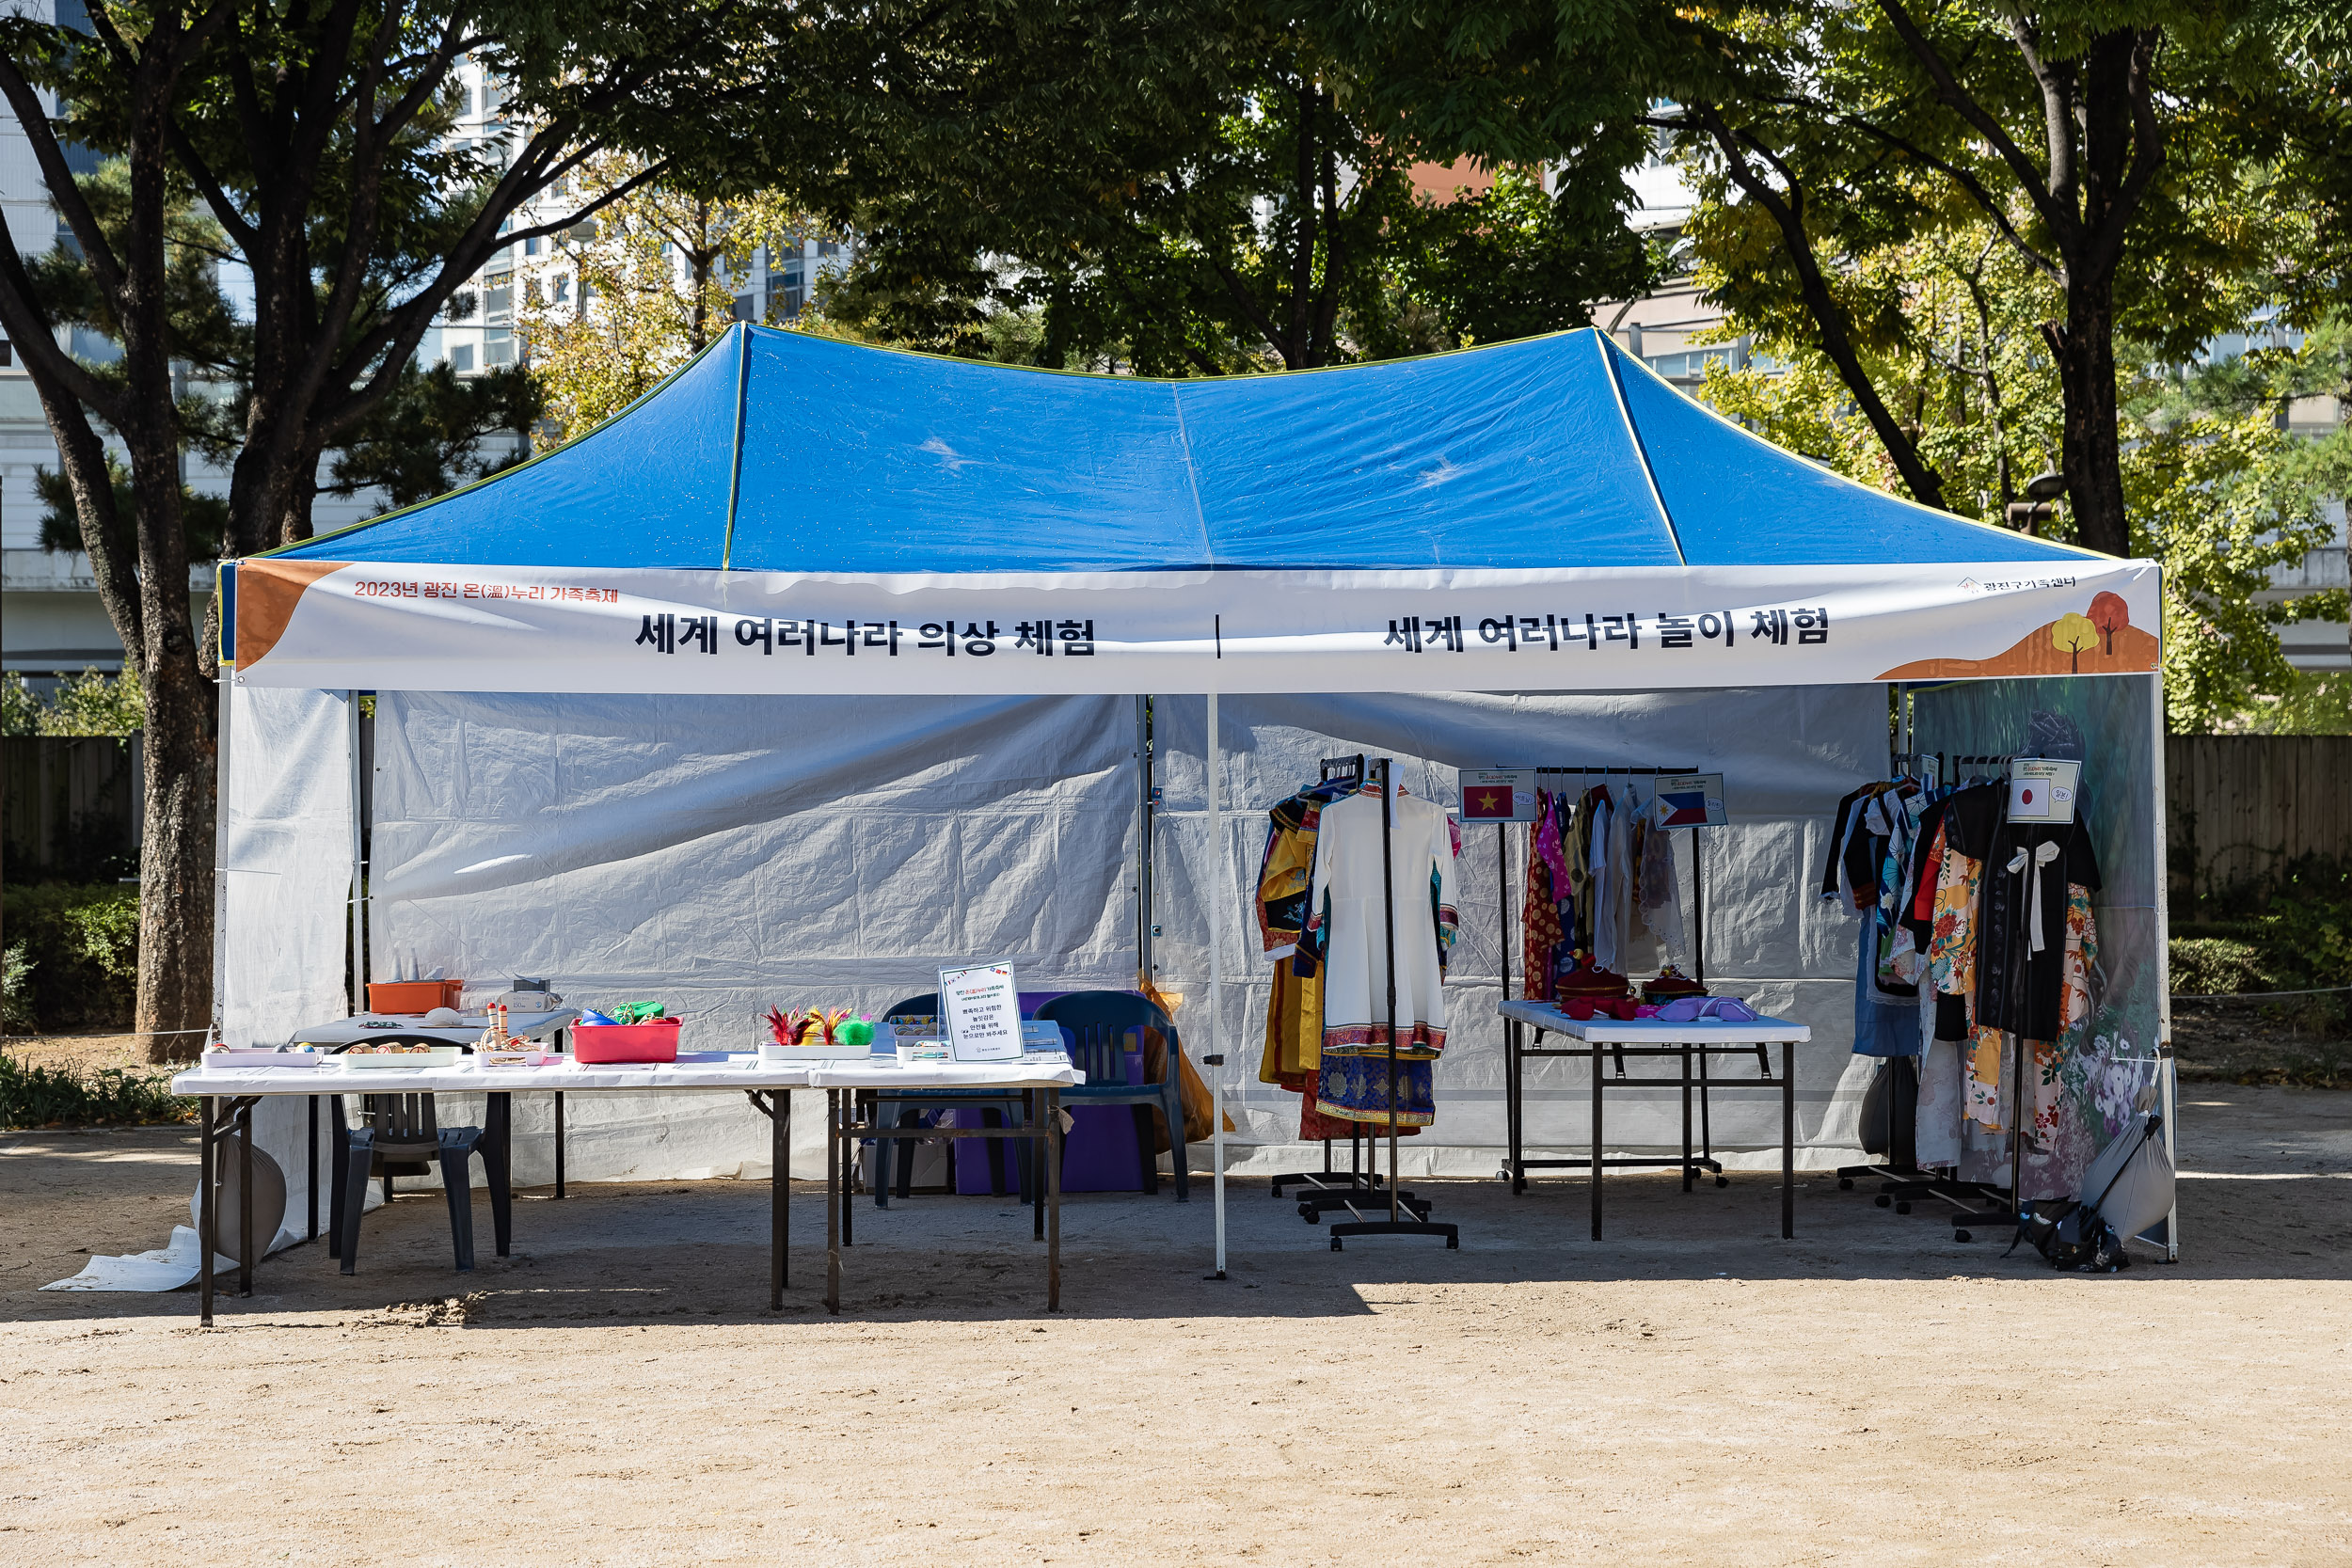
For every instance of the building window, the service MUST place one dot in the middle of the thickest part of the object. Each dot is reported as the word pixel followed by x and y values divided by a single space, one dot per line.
pixel 742 312
pixel 531 246
pixel 563 287
pixel 461 358
pixel 498 300
pixel 498 347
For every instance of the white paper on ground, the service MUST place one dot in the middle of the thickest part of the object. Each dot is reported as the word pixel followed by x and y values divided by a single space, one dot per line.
pixel 167 1268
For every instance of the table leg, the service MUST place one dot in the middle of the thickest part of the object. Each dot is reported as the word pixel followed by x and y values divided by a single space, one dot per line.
pixel 834 1202
pixel 779 1191
pixel 1595 1141
pixel 499 1114
pixel 1515 1108
pixel 849 1165
pixel 1787 1139
pixel 1053 1200
pixel 559 1143
pixel 1030 1099
pixel 311 1172
pixel 1686 1118
pixel 207 1208
pixel 245 1199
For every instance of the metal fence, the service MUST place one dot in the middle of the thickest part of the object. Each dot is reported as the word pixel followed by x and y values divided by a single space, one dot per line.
pixel 73 809
pixel 2241 806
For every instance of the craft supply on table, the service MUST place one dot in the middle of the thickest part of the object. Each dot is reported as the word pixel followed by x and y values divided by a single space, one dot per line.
pixel 654 1040
pixel 300 1056
pixel 396 1054
pixel 818 1035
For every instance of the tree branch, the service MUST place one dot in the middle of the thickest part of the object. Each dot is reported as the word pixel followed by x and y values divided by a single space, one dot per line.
pixel 2059 215
pixel 65 194
pixel 1829 317
pixel 30 329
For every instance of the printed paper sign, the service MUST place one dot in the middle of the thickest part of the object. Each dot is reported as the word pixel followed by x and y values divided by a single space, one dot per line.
pixel 1498 794
pixel 983 1012
pixel 2041 789
pixel 1690 800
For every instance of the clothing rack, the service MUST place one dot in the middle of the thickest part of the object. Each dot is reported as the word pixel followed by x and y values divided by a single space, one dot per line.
pixel 1328 1188
pixel 1395 1225
pixel 1515 1052
pixel 1900 1185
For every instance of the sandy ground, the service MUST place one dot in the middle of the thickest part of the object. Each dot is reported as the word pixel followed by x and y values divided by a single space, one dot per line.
pixel 1693 1389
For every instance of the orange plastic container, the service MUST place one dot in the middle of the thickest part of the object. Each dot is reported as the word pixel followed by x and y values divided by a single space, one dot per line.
pixel 412 996
pixel 656 1041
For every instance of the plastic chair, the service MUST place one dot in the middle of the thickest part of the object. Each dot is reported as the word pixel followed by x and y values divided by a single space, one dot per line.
pixel 401 1128
pixel 1100 1023
pixel 997 1110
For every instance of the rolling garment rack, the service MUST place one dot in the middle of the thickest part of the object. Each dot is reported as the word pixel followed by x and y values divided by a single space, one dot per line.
pixel 1516 1052
pixel 1974 1203
pixel 1399 1206
pixel 1900 1183
pixel 1328 1188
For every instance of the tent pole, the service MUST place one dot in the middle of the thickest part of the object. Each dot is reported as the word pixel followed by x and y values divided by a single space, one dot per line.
pixel 1216 1057
pixel 220 856
pixel 359 866
pixel 2166 1080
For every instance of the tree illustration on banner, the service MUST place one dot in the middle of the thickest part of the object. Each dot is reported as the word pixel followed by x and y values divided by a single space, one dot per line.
pixel 2072 634
pixel 2110 615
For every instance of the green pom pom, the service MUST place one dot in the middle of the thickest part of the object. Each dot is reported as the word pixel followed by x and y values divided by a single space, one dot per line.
pixel 855 1031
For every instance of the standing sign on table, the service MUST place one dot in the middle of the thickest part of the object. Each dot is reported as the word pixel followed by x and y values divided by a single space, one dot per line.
pixel 983 1010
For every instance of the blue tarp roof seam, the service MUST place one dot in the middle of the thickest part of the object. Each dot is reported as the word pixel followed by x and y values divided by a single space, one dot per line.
pixel 1192 473
pixel 1641 453
pixel 742 406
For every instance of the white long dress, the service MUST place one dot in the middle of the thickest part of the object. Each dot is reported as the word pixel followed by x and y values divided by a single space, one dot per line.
pixel 1347 921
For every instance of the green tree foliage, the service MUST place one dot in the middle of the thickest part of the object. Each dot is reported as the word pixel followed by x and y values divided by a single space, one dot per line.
pixel 2154 164
pixel 2213 486
pixel 91 702
pixel 1194 186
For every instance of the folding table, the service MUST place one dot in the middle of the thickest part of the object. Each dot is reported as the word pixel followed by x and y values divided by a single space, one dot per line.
pixel 1691 1043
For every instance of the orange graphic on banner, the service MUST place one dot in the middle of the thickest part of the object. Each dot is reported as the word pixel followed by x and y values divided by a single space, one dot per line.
pixel 267 592
pixel 2101 642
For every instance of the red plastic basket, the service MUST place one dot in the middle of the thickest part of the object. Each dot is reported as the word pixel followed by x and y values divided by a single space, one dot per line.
pixel 656 1041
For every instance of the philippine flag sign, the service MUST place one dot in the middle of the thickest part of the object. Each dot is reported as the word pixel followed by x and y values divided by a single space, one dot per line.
pixel 1498 794
pixel 1690 800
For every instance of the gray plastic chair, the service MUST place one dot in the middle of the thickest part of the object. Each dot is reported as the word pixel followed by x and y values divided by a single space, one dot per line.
pixel 403 1127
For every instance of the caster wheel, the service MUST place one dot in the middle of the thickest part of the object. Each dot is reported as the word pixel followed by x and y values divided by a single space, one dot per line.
pixel 1902 1208
pixel 1962 1236
pixel 1884 1201
pixel 1723 1181
pixel 1454 1244
pixel 1306 1213
pixel 1845 1183
pixel 1335 1245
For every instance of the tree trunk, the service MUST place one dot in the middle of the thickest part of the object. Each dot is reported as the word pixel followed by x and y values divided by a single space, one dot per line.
pixel 175 978
pixel 2088 451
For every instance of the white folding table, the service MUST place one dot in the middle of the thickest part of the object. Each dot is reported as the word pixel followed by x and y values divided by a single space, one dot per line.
pixel 226 1095
pixel 1692 1043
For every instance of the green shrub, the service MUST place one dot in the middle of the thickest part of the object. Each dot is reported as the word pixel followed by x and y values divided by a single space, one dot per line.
pixel 2293 933
pixel 2217 966
pixel 63 1097
pixel 81 945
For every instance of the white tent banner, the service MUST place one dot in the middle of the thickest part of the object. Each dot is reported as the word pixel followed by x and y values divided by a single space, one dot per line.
pixel 561 629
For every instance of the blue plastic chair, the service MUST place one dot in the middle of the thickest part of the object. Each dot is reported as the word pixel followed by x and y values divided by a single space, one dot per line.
pixel 892 1158
pixel 1100 1025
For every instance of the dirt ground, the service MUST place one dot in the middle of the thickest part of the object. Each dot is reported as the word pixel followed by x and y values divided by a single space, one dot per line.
pixel 1692 1389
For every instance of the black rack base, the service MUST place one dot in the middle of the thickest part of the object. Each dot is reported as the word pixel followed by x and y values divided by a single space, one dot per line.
pixel 1395 1228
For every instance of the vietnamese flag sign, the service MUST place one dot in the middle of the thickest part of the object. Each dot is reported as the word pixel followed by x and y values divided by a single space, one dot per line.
pixel 1498 794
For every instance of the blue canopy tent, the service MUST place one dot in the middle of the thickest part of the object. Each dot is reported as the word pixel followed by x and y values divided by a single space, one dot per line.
pixel 795 516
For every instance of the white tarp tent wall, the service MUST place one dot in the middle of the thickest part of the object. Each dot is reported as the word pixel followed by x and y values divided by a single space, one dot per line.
pixel 1537 515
